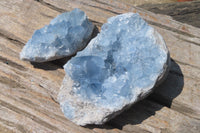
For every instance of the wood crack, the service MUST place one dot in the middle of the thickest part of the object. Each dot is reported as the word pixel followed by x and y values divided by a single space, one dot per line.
pixel 171 29
pixel 104 3
pixel 183 63
pixel 12 38
pixel 51 6
pixel 13 64
pixel 117 13
pixel 198 44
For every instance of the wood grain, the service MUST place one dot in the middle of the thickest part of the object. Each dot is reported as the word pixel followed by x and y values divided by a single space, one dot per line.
pixel 28 91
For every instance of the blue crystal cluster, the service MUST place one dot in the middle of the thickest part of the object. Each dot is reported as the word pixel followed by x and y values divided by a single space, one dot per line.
pixel 122 63
pixel 64 36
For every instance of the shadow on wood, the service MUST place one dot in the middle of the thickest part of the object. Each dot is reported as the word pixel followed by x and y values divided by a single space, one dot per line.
pixel 170 88
pixel 52 65
pixel 162 96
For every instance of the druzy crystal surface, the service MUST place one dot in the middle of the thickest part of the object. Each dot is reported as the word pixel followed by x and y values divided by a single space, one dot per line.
pixel 66 34
pixel 118 67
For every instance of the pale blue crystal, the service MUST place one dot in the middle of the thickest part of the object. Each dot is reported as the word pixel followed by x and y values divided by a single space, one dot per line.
pixel 64 36
pixel 118 67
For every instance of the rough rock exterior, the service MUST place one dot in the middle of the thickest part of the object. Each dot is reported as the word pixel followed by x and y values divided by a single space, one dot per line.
pixel 118 67
pixel 64 36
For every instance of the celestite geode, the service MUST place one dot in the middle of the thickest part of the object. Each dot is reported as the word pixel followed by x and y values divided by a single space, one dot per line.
pixel 66 34
pixel 118 67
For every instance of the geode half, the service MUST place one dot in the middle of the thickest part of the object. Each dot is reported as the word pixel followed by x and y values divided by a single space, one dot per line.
pixel 119 67
pixel 66 34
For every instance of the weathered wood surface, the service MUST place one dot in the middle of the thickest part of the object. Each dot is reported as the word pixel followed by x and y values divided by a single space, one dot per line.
pixel 28 91
pixel 186 12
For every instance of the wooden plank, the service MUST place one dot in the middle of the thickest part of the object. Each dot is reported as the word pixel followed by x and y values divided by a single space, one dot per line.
pixel 30 92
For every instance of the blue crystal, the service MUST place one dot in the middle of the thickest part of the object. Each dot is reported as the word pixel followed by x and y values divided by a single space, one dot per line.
pixel 64 36
pixel 122 63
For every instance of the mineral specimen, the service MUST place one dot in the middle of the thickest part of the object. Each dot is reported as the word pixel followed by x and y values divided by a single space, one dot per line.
pixel 118 67
pixel 66 34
